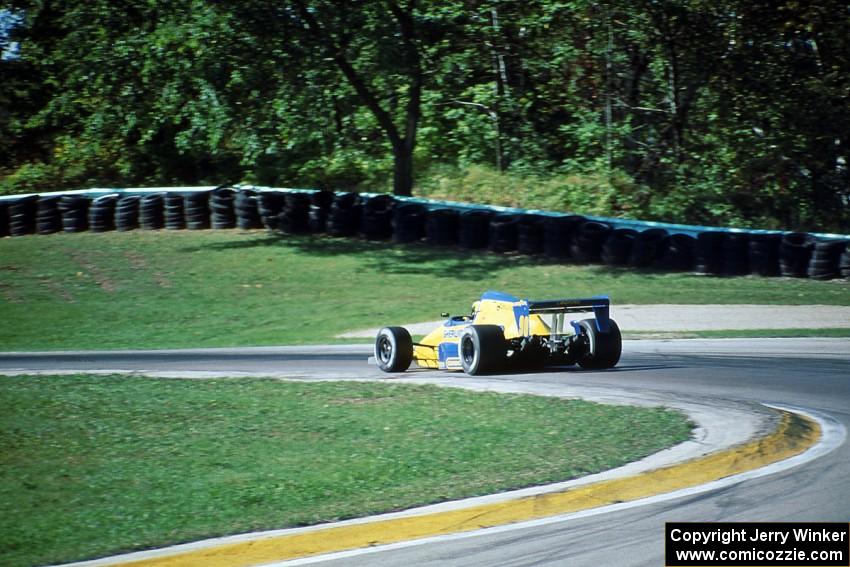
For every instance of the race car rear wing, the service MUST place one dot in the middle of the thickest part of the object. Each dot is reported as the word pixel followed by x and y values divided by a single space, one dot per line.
pixel 599 305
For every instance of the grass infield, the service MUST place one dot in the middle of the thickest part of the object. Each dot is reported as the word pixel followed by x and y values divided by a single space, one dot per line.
pixel 99 465
pixel 163 289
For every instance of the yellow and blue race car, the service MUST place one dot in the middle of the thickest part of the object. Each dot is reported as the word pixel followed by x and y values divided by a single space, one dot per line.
pixel 505 332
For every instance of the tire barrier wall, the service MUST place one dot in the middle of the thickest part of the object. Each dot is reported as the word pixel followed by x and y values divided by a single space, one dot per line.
pixel 558 237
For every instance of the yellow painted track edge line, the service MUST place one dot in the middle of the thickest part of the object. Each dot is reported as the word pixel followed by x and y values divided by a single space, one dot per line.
pixel 794 435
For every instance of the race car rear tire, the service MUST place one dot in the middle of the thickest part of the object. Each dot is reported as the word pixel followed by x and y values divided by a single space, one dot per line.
pixel 603 348
pixel 393 349
pixel 482 349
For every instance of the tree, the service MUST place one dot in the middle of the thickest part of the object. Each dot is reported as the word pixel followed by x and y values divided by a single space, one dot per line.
pixel 395 39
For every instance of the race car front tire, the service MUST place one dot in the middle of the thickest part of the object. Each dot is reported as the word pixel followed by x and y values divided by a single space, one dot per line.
pixel 482 349
pixel 603 349
pixel 393 349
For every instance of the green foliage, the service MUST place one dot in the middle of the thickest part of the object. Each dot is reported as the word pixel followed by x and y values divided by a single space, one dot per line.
pixel 711 112
pixel 584 193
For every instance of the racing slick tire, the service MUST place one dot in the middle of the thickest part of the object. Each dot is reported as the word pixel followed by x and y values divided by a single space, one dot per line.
pixel 603 348
pixel 482 349
pixel 393 349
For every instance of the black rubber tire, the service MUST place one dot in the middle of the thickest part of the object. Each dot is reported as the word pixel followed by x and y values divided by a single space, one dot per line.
pixel 22 215
pixel 709 251
pixel 196 208
pixel 320 205
pixel 530 234
pixel 474 232
pixel 75 212
pixel 246 207
pixel 102 213
pixel 795 251
pixel 270 205
pixel 174 217
pixel 604 349
pixel 482 349
pixel 736 254
pixel 618 247
pixel 344 215
pixel 844 263
pixel 295 217
pixel 647 247
pixel 376 220
pixel 409 222
pixel 151 211
pixel 441 227
pixel 127 213
pixel 393 349
pixel 558 234
pixel 48 217
pixel 4 219
pixel 677 253
pixel 764 254
pixel 826 258
pixel 317 219
pixel 587 245
pixel 503 233
pixel 223 214
pixel 322 199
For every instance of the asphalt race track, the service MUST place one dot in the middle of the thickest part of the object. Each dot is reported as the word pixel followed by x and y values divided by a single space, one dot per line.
pixel 812 374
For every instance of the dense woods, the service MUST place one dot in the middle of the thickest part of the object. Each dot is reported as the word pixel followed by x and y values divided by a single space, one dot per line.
pixel 720 111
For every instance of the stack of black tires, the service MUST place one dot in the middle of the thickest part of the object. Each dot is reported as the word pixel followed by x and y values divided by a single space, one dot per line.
pixel 409 222
pixel 474 229
pixel 152 211
pixel 127 213
pixel 558 235
pixel 174 216
pixel 246 206
pixel 441 226
pixel 22 216
pixel 102 213
pixel 196 209
pixel 376 220
pixel 320 205
pixel 295 216
pixel 222 212
pixel 844 262
pixel 48 217
pixel 344 215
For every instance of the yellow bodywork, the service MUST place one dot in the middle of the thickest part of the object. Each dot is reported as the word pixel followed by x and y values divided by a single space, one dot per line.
pixel 484 312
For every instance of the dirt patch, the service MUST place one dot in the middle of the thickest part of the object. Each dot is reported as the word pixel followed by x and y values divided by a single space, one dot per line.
pixel 138 262
pixel 101 279
pixel 57 289
pixel 8 294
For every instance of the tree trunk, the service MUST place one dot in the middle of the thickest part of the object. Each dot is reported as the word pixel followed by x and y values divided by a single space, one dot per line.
pixel 402 142
pixel 403 169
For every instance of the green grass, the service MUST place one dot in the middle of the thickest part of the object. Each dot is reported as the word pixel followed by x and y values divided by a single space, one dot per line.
pixel 99 465
pixel 229 288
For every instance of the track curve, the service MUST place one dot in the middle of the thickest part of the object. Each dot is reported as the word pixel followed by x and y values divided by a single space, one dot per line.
pixel 809 373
